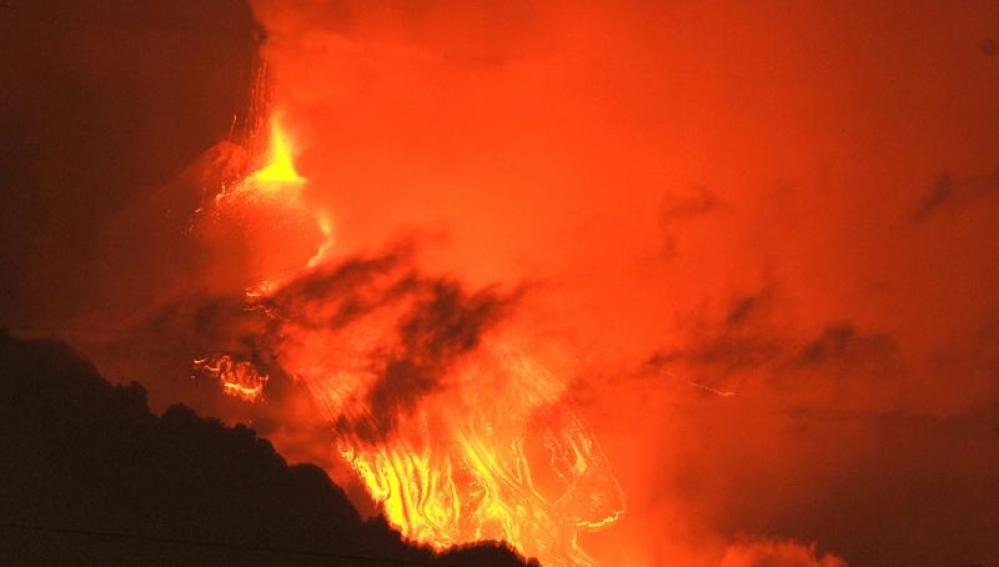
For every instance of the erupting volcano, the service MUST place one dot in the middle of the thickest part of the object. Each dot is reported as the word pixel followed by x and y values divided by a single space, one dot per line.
pixel 499 282
pixel 457 435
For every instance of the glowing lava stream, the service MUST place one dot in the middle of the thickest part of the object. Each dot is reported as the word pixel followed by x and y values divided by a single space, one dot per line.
pixel 239 379
pixel 493 454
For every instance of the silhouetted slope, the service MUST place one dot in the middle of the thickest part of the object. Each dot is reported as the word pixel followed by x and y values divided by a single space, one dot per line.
pixel 88 476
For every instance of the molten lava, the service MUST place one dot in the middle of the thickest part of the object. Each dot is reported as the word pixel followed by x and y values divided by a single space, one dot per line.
pixel 280 167
pixel 239 379
pixel 459 436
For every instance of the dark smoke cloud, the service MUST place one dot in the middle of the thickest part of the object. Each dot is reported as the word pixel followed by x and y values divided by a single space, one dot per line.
pixel 847 453
pixel 677 209
pixel 743 340
pixel 752 344
pixel 439 329
pixel 864 407
pixel 842 343
pixel 951 192
pixel 439 322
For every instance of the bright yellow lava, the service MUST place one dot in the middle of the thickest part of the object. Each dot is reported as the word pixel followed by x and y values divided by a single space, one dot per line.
pixel 280 168
pixel 496 456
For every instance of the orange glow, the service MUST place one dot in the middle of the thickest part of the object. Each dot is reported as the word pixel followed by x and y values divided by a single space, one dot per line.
pixel 462 469
pixel 238 379
pixel 264 212
pixel 495 455
pixel 740 256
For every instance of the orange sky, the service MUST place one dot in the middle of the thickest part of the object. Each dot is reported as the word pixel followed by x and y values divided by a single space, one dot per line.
pixel 792 202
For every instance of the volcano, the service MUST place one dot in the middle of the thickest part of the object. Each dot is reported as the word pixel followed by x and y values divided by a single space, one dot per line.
pixel 493 282
pixel 92 477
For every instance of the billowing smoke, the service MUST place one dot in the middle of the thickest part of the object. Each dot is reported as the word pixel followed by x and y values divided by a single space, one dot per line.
pixel 435 322
pixel 758 241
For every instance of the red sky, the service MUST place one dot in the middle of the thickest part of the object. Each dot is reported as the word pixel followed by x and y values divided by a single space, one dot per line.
pixel 794 202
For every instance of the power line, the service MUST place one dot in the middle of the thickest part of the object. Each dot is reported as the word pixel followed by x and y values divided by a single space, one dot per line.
pixel 222 545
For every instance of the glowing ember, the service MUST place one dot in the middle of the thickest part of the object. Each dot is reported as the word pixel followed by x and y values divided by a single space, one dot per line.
pixel 458 437
pixel 239 379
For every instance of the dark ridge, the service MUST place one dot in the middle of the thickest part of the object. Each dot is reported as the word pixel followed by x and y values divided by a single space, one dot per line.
pixel 88 476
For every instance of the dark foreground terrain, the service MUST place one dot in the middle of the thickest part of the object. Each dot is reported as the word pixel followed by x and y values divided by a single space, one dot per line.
pixel 91 477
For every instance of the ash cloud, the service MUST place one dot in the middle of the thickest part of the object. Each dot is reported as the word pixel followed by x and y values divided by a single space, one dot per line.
pixel 540 141
pixel 436 333
pixel 681 207
pixel 678 209
pixel 831 410
pixel 752 343
pixel 440 321
pixel 952 191
pixel 743 340
pixel 841 342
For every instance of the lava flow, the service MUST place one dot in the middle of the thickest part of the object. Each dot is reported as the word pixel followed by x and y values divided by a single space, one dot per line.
pixel 457 435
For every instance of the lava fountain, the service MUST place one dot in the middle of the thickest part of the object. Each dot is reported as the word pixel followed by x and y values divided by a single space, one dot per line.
pixel 457 435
